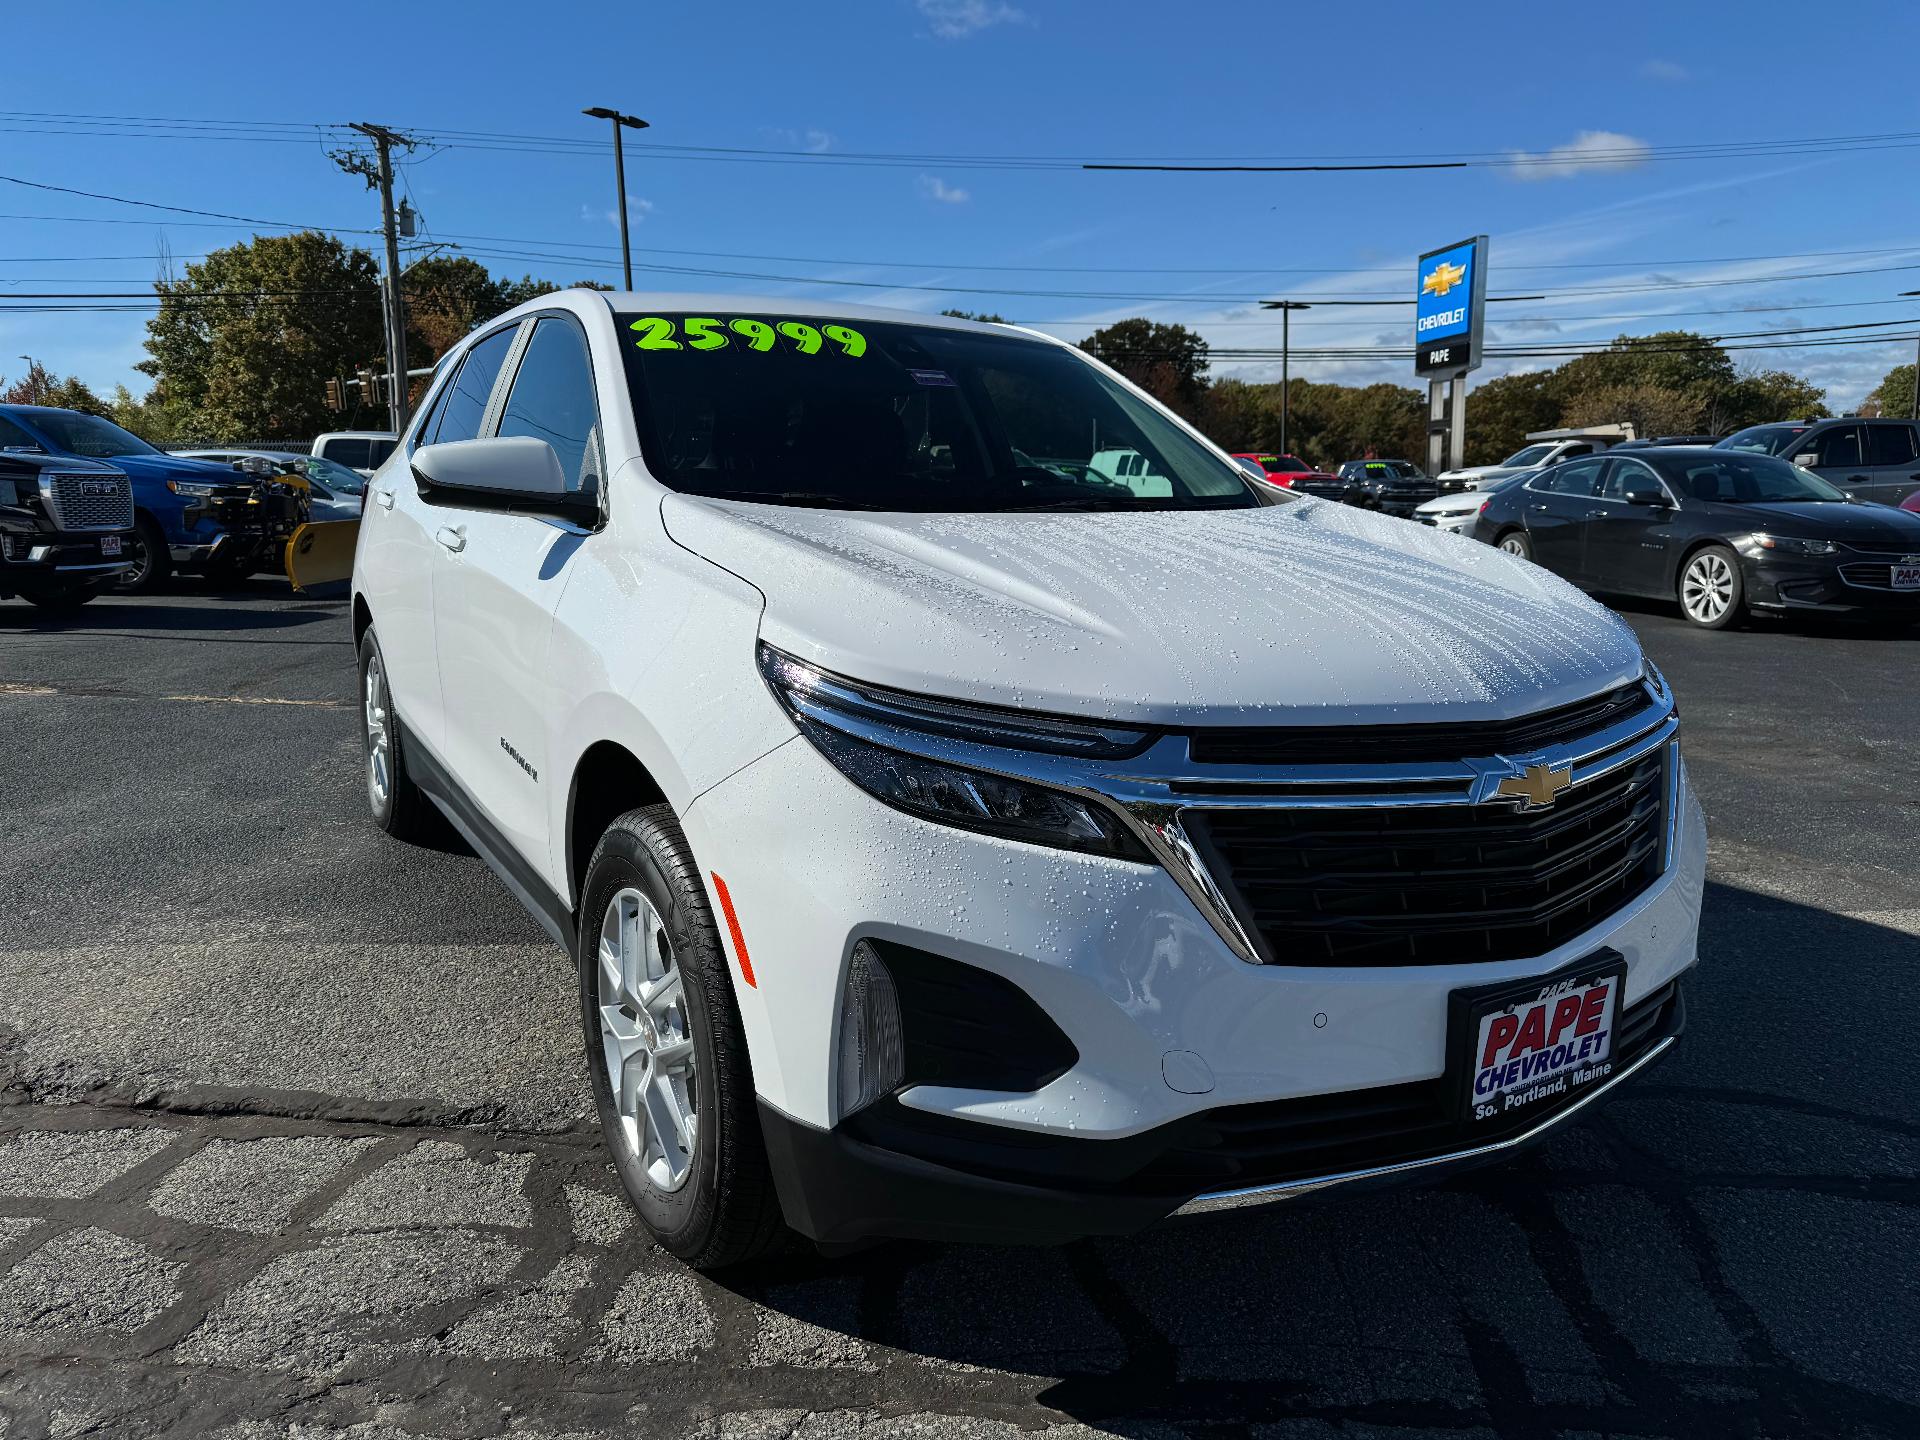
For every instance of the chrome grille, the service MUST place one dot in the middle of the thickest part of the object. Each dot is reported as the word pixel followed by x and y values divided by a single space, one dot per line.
pixel 96 501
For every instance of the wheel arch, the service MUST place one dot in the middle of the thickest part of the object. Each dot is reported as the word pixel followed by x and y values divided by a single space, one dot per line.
pixel 1692 548
pixel 362 619
pixel 608 781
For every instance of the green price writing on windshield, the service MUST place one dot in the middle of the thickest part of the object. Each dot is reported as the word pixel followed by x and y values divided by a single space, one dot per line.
pixel 707 332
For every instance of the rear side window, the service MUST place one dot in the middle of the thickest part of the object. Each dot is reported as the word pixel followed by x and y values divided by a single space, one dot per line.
pixel 1575 479
pixel 1628 475
pixel 1890 444
pixel 353 451
pixel 553 400
pixel 1838 446
pixel 466 403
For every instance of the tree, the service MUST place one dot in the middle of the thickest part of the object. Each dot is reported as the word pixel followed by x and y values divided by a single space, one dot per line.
pixel 1651 409
pixel 1762 395
pixel 246 340
pixel 1169 362
pixel 981 315
pixel 1502 412
pixel 40 386
pixel 446 296
pixel 1893 396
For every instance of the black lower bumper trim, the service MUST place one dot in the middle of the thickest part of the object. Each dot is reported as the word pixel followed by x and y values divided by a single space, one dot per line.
pixel 838 1187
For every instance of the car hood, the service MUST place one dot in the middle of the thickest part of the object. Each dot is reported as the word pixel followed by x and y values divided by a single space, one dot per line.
pixel 175 467
pixel 1310 612
pixel 1482 472
pixel 1462 503
pixel 1825 520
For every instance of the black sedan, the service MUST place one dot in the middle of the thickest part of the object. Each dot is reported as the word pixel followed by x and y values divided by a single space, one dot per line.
pixel 1722 532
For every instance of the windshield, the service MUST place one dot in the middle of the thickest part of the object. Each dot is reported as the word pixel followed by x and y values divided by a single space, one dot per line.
pixel 332 474
pixel 882 416
pixel 1764 439
pixel 1745 480
pixel 1532 455
pixel 89 435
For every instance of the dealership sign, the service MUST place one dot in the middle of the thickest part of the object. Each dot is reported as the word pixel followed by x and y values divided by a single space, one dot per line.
pixel 1450 292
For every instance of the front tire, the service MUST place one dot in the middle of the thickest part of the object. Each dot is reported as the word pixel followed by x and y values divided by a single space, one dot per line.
pixel 394 800
pixel 1515 542
pixel 1711 590
pixel 62 597
pixel 150 562
pixel 671 1078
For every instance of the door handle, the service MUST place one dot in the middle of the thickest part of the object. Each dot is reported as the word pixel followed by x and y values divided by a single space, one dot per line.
pixel 1538 509
pixel 454 537
pixel 1856 479
pixel 385 497
pixel 1596 514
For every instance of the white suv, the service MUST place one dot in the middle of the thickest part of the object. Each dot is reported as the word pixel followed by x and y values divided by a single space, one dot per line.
pixel 956 843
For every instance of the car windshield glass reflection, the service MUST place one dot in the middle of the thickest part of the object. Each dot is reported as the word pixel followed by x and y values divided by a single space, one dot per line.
pixel 1531 455
pixel 1740 479
pixel 871 415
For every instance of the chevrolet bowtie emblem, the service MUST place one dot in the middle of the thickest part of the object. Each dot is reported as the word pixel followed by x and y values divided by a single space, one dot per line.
pixel 1535 786
pixel 1443 279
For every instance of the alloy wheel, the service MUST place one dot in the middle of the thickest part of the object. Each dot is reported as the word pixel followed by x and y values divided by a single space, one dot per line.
pixel 1513 545
pixel 379 742
pixel 1706 589
pixel 646 1040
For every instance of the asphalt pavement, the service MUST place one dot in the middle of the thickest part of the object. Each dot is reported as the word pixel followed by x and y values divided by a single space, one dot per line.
pixel 294 1139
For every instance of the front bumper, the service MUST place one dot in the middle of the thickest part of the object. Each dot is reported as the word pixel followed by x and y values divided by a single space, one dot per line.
pixel 1400 502
pixel 1832 585
pixel 36 559
pixel 1170 1027
pixel 839 1187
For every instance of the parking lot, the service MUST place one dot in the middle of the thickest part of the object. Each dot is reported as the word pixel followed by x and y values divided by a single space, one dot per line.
pixel 294 1136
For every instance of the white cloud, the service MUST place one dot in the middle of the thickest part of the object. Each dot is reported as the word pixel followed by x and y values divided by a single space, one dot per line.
pixel 1590 150
pixel 811 140
pixel 957 19
pixel 934 188
pixel 637 211
pixel 1665 70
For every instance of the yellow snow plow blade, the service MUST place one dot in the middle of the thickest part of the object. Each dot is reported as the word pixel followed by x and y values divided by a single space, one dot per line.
pixel 319 552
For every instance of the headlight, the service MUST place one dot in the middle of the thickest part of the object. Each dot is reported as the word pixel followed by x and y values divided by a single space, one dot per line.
pixel 192 489
pixel 906 750
pixel 1760 541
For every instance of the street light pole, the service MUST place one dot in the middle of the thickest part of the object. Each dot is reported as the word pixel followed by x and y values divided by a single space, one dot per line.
pixel 631 122
pixel 1286 309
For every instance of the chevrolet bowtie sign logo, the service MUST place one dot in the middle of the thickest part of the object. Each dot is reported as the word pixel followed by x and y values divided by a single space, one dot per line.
pixel 1443 278
pixel 1536 786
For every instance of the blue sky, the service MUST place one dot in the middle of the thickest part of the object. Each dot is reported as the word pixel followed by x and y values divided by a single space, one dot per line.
pixel 1598 98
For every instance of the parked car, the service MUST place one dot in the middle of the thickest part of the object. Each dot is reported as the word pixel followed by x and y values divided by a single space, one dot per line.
pixel 1666 440
pixel 1289 472
pixel 1535 456
pixel 957 847
pixel 1395 487
pixel 1912 503
pixel 334 492
pixel 188 514
pixel 1871 459
pixel 362 450
pixel 1722 532
pixel 65 526
pixel 1457 512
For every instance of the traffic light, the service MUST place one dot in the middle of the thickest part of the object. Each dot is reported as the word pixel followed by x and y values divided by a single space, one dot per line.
pixel 368 393
pixel 336 394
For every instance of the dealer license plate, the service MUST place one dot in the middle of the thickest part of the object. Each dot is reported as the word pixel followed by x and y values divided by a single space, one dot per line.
pixel 1536 1046
pixel 109 544
pixel 1906 577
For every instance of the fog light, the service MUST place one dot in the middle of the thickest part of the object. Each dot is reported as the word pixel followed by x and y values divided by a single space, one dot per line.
pixel 872 1052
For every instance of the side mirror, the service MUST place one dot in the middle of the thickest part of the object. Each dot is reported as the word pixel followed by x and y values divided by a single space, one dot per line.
pixel 512 472
pixel 1648 496
pixel 1806 458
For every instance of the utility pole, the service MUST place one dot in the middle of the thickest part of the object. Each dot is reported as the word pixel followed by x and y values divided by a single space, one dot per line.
pixel 1286 309
pixel 1909 294
pixel 378 173
pixel 631 122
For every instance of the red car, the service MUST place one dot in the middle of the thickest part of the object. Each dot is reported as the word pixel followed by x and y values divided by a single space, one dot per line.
pixel 1292 473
